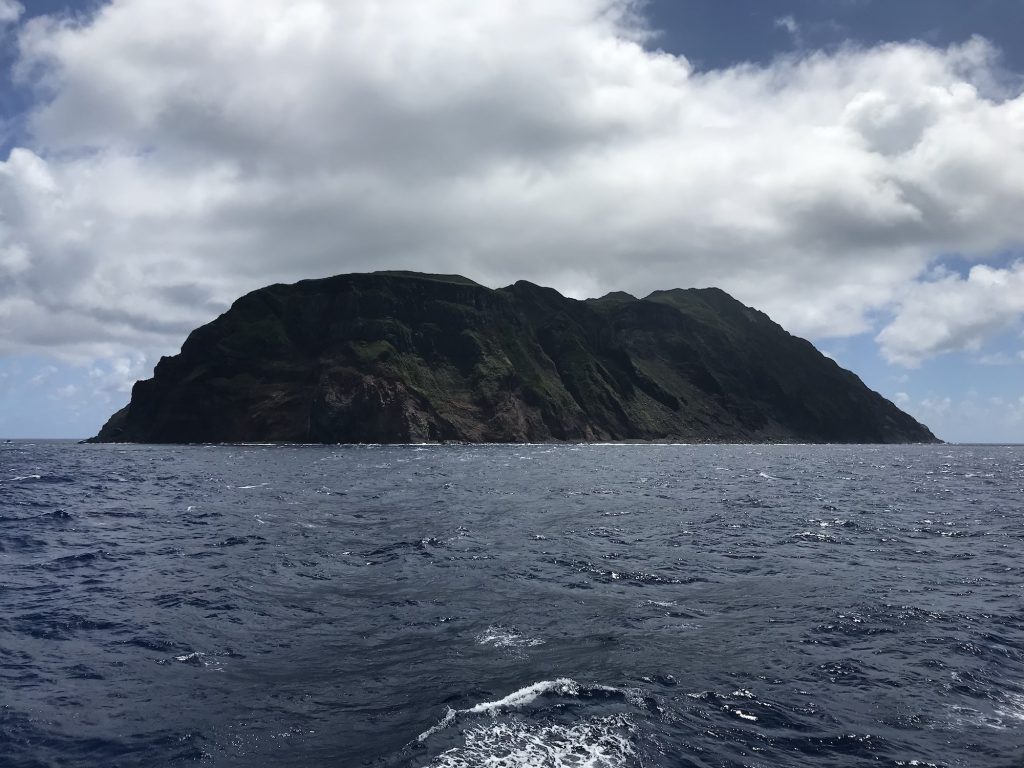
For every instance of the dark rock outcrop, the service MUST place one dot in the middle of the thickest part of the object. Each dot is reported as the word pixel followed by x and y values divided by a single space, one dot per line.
pixel 397 357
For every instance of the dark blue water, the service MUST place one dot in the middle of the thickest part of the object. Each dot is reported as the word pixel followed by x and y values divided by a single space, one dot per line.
pixel 511 606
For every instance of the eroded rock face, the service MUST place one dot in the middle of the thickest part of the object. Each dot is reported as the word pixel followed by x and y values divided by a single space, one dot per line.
pixel 404 357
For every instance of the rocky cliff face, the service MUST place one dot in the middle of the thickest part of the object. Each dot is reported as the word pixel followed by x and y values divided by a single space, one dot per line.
pixel 404 357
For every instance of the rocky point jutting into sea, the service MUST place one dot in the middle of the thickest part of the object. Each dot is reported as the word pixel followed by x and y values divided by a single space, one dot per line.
pixel 398 357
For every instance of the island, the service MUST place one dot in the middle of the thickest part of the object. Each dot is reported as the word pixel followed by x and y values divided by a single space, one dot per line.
pixel 404 357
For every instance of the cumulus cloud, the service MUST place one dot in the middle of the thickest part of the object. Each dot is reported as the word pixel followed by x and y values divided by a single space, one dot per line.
pixel 953 313
pixel 10 11
pixel 183 152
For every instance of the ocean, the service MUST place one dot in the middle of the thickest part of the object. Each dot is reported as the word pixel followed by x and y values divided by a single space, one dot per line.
pixel 520 605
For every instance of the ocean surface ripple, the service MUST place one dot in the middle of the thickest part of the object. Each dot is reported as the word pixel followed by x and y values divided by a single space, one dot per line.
pixel 500 606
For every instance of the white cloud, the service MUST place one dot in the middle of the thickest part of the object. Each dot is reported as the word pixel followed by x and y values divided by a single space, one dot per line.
pixel 963 419
pixel 10 11
pixel 113 379
pixel 996 359
pixel 790 25
pixel 787 23
pixel 66 392
pixel 953 313
pixel 44 373
pixel 185 152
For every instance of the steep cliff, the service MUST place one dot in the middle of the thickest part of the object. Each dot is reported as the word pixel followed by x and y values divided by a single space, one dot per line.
pixel 394 357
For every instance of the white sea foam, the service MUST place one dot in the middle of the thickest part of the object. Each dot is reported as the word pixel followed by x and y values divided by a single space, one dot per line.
pixel 600 742
pixel 562 686
pixel 506 637
pixel 444 722
pixel 19 478
pixel 811 536
pixel 1013 707
pixel 194 659
pixel 965 717
pixel 1009 713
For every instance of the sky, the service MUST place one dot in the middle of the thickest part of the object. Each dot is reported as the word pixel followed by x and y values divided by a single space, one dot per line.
pixel 854 168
